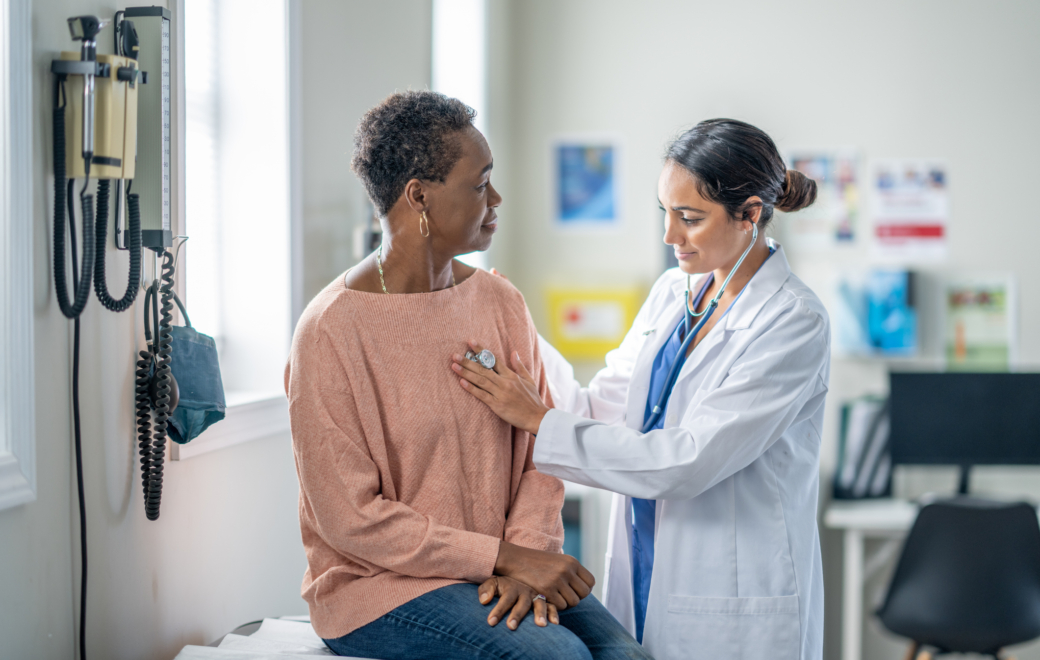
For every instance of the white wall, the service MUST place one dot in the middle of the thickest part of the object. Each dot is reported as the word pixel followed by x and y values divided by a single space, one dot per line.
pixel 226 549
pixel 951 80
pixel 355 54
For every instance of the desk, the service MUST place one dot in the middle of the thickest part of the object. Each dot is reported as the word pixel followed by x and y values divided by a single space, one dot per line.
pixel 859 520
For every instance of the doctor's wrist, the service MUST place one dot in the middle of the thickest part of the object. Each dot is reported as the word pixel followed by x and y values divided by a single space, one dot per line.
pixel 535 422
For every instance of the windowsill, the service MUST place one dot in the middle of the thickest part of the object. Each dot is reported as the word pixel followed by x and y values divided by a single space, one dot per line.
pixel 16 487
pixel 247 418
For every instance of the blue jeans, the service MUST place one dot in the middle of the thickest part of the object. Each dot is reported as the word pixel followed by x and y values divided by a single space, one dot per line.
pixel 451 623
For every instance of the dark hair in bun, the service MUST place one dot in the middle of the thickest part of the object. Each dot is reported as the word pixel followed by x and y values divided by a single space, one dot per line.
pixel 799 192
pixel 732 160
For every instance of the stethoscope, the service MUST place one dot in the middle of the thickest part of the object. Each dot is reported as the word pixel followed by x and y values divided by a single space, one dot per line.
pixel 690 313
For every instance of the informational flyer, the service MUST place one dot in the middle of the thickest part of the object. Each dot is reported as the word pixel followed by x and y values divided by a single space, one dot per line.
pixel 911 210
pixel 586 183
pixel 980 323
pixel 832 219
pixel 587 323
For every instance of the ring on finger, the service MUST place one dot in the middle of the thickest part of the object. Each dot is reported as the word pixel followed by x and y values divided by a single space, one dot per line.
pixel 538 597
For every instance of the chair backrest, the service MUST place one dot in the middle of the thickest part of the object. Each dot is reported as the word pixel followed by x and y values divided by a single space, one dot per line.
pixel 969 577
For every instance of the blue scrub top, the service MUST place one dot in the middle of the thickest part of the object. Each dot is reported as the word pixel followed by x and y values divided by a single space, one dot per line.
pixel 644 511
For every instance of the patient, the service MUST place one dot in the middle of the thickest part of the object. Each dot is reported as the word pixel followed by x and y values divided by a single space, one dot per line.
pixel 413 493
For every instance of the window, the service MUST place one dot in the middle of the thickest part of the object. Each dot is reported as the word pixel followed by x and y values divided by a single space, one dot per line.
pixel 460 65
pixel 17 409
pixel 237 209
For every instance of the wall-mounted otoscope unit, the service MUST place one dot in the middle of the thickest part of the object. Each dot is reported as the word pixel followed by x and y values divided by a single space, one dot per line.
pixel 112 123
pixel 112 118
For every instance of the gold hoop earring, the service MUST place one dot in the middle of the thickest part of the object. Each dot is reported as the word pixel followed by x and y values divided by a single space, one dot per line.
pixel 422 219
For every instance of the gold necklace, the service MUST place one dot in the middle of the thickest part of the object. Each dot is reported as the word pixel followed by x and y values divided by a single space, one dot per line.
pixel 379 265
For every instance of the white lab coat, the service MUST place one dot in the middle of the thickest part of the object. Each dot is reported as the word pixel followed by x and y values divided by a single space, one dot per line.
pixel 735 470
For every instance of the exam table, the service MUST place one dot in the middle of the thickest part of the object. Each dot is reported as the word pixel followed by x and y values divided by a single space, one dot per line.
pixel 288 638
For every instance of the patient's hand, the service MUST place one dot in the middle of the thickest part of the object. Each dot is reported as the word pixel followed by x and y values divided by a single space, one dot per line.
pixel 520 597
pixel 560 578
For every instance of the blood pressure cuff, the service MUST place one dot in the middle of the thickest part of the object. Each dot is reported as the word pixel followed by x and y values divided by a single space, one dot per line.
pixel 194 365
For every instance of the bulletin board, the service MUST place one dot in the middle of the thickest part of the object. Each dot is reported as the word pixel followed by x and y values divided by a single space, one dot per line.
pixel 587 323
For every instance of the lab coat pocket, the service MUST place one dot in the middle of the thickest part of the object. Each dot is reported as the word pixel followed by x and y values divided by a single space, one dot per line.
pixel 764 628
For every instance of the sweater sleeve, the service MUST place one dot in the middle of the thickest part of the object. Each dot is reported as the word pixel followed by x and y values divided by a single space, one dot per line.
pixel 534 519
pixel 340 482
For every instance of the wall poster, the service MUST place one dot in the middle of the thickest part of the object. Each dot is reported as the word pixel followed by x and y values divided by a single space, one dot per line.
pixel 833 217
pixel 586 323
pixel 586 183
pixel 980 324
pixel 911 210
pixel 875 314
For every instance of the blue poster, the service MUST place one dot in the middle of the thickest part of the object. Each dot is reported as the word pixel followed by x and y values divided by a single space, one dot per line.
pixel 586 188
pixel 875 314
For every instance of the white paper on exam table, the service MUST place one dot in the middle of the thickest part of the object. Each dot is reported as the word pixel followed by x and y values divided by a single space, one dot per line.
pixel 295 632
pixel 248 643
pixel 277 639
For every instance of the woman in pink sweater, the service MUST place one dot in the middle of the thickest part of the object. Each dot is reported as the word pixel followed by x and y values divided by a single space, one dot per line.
pixel 412 493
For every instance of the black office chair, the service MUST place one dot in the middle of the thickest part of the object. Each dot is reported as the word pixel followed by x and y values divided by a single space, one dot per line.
pixel 968 580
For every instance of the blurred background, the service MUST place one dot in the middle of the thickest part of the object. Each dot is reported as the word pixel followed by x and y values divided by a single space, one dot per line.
pixel 917 119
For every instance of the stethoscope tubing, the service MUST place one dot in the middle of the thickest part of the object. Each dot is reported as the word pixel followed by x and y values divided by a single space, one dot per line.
pixel 680 356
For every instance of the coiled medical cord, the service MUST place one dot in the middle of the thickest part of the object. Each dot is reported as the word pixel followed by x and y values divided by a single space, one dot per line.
pixel 152 441
pixel 101 236
pixel 63 196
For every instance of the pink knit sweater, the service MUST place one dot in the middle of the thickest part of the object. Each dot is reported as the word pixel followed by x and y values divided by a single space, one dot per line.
pixel 408 483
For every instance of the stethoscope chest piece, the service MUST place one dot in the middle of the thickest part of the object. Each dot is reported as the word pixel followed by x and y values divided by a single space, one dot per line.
pixel 485 358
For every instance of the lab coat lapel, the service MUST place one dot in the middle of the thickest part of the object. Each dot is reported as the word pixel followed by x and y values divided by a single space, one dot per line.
pixel 763 286
pixel 766 282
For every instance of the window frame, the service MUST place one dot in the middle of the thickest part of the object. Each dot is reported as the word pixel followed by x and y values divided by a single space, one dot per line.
pixel 17 382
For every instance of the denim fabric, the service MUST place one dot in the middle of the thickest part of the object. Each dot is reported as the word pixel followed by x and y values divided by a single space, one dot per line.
pixel 451 623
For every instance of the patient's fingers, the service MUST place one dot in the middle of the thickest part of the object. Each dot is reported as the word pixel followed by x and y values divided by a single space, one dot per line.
pixel 580 587
pixel 540 612
pixel 556 599
pixel 506 599
pixel 554 616
pixel 520 610
pixel 569 596
pixel 586 576
pixel 486 591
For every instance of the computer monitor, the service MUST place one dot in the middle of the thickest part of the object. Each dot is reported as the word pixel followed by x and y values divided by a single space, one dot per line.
pixel 965 419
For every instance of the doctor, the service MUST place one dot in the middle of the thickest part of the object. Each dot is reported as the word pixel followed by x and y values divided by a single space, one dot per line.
pixel 706 420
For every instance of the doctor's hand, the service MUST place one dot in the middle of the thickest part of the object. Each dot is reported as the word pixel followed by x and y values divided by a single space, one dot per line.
pixel 511 394
pixel 518 596
pixel 560 578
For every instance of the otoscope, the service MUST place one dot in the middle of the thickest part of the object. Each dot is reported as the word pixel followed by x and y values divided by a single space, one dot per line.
pixel 85 29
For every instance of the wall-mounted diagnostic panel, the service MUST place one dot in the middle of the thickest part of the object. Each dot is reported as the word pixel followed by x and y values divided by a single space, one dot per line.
pixel 153 181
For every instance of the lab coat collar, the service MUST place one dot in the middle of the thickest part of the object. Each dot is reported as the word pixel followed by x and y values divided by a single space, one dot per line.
pixel 766 282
